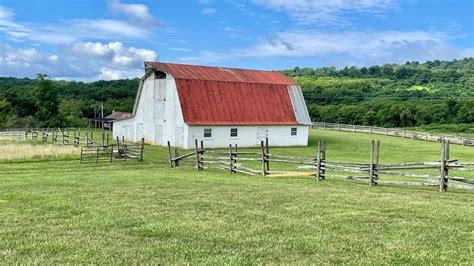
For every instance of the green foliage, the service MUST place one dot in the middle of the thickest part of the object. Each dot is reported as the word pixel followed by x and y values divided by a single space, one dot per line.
pixel 76 101
pixel 47 102
pixel 413 94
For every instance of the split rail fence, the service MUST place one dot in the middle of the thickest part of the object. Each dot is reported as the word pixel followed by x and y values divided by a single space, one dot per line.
pixel 258 162
pixel 453 139
pixel 93 150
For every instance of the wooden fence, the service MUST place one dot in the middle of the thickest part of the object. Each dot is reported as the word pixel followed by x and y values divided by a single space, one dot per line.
pixel 92 149
pixel 453 139
pixel 257 162
pixel 120 151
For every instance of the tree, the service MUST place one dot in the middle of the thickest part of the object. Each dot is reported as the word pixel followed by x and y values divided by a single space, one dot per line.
pixel 47 102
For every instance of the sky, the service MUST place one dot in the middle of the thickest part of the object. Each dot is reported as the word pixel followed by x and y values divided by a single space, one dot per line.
pixel 110 39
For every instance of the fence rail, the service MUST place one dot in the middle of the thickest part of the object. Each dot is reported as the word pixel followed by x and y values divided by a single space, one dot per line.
pixel 92 150
pixel 258 163
pixel 453 139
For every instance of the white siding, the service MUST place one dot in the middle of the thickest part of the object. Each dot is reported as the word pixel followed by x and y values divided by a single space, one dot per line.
pixel 158 115
pixel 248 136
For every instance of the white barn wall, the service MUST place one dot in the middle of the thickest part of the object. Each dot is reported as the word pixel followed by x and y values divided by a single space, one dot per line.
pixel 247 136
pixel 158 108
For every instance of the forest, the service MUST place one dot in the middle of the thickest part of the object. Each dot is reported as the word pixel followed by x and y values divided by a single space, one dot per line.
pixel 391 95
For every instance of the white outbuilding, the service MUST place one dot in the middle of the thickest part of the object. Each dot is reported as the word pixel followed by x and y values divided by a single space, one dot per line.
pixel 220 106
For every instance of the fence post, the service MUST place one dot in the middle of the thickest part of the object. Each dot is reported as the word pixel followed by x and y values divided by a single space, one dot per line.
pixel 386 131
pixel 176 155
pixel 370 130
pixel 371 165
pixel 323 160
pixel 198 167
pixel 97 154
pixel 231 160
pixel 262 148
pixel 338 127
pixel 267 151
pixel 170 156
pixel 318 162
pixel 353 128
pixel 376 163
pixel 444 170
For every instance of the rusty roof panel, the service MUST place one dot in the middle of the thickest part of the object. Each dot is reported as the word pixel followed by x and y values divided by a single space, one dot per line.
pixel 210 102
pixel 182 71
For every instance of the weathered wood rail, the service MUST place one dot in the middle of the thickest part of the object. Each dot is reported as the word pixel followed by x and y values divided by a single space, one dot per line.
pixel 257 162
pixel 394 132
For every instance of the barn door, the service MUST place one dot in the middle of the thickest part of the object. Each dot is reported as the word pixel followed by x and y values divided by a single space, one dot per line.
pixel 158 134
pixel 262 134
pixel 139 132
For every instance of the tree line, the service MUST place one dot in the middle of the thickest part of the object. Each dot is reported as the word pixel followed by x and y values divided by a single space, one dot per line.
pixel 43 102
pixel 391 95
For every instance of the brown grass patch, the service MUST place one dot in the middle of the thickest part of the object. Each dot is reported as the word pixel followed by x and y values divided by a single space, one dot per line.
pixel 21 151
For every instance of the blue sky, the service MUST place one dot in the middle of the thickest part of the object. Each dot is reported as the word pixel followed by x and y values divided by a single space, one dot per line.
pixel 94 39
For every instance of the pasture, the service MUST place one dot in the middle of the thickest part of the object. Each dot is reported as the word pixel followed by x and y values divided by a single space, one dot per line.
pixel 54 210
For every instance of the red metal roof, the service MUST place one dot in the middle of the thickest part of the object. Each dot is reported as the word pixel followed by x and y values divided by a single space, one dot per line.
pixel 181 71
pixel 225 96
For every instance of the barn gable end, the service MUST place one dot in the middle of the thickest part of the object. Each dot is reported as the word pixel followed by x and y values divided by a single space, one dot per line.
pixel 180 102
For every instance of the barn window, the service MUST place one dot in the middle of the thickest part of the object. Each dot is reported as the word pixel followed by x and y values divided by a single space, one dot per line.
pixel 294 131
pixel 208 132
pixel 159 75
pixel 233 132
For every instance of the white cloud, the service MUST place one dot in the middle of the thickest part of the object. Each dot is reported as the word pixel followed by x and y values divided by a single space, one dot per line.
pixel 136 12
pixel 346 48
pixel 208 11
pixel 327 12
pixel 140 25
pixel 78 60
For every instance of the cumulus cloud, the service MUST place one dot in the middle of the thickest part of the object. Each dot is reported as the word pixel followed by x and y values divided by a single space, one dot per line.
pixel 327 12
pixel 78 60
pixel 346 48
pixel 136 12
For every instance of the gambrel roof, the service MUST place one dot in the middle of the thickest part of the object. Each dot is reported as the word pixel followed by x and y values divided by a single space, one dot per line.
pixel 230 96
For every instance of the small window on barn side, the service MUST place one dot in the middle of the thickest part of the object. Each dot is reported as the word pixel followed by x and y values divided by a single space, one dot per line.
pixel 233 132
pixel 208 132
pixel 294 131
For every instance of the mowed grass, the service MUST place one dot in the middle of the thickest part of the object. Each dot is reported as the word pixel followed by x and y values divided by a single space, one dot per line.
pixel 59 211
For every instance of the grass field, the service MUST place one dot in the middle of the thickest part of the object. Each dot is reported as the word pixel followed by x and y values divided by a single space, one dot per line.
pixel 56 211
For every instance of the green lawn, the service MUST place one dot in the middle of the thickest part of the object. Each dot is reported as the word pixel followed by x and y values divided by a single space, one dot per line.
pixel 57 211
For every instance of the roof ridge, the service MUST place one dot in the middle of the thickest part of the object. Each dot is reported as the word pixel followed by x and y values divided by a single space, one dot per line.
pixel 234 68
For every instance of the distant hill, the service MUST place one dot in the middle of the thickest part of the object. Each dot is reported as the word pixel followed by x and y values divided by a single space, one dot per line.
pixel 412 94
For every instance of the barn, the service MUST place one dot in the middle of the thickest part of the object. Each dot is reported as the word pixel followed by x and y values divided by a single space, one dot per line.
pixel 220 106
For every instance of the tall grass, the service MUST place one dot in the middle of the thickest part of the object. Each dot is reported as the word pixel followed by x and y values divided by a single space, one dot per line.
pixel 22 151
